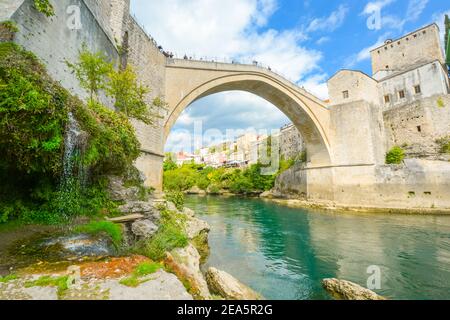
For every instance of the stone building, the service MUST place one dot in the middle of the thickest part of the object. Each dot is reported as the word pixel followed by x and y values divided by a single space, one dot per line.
pixel 410 88
pixel 291 142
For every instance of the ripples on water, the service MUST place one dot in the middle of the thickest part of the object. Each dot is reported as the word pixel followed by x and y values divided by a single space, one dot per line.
pixel 284 253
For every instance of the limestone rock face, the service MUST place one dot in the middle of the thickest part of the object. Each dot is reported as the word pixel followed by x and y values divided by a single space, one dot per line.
pixel 225 285
pixel 186 263
pixel 196 226
pixel 346 290
pixel 188 212
pixel 144 228
pixel 141 207
pixel 118 192
pixel 162 286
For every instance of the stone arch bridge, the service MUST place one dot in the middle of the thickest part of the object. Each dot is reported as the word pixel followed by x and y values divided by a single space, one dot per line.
pixel 324 130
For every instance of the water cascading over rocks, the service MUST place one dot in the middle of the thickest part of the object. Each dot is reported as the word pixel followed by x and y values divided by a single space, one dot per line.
pixel 75 173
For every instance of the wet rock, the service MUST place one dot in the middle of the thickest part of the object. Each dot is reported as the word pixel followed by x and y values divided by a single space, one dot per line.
pixel 186 264
pixel 346 290
pixel 225 285
pixel 161 286
pixel 144 228
pixel 73 247
pixel 267 195
pixel 141 207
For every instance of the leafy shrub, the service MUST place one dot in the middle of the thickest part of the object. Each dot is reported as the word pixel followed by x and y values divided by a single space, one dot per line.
pixel 96 227
pixel 142 270
pixel 177 198
pixel 395 155
pixel 444 144
pixel 171 234
pixel 45 7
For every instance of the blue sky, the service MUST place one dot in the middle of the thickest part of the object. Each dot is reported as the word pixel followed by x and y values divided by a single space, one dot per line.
pixel 306 41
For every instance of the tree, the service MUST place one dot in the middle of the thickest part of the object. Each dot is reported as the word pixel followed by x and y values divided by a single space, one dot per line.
pixel 91 70
pixel 130 96
pixel 447 38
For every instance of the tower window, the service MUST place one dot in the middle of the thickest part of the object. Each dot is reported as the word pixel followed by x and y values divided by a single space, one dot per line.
pixel 345 94
pixel 417 89
pixel 401 94
pixel 387 98
pixel 419 128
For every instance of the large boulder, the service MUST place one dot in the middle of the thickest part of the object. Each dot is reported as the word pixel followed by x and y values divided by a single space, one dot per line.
pixel 147 209
pixel 195 227
pixel 144 228
pixel 196 190
pixel 118 192
pixel 185 262
pixel 226 286
pixel 188 212
pixel 346 290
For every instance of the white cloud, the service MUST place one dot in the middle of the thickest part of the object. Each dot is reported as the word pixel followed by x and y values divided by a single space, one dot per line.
pixel 322 40
pixel 330 23
pixel 415 9
pixel 376 5
pixel 226 29
pixel 364 54
pixel 317 85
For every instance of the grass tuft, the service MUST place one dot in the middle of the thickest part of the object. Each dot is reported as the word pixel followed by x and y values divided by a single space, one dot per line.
pixel 142 270
pixel 97 227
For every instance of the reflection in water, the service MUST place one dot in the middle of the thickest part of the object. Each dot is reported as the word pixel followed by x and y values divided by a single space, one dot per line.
pixel 284 253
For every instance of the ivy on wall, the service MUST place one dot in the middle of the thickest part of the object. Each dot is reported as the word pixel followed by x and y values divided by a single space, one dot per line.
pixel 45 7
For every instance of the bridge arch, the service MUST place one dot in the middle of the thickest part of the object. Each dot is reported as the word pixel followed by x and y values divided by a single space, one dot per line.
pixel 189 81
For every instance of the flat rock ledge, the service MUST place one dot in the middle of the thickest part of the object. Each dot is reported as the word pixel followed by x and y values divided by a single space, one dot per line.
pixel 228 287
pixel 346 290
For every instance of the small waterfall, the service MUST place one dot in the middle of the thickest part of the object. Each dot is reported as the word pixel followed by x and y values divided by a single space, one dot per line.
pixel 74 175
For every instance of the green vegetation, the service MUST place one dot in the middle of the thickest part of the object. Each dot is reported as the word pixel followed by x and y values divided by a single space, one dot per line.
pixel 444 144
pixel 8 278
pixel 171 234
pixel 45 7
pixel 33 120
pixel 395 155
pixel 113 230
pixel 440 102
pixel 91 70
pixel 10 25
pixel 129 96
pixel 177 198
pixel 48 281
pixel 142 270
pixel 214 180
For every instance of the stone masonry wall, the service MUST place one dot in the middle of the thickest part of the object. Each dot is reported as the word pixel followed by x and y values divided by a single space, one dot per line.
pixel 54 42
pixel 417 126
pixel 149 63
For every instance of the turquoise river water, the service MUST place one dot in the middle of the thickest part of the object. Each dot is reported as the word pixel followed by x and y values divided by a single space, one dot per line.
pixel 284 253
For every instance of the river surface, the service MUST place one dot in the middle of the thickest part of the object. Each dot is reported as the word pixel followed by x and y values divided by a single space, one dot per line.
pixel 284 253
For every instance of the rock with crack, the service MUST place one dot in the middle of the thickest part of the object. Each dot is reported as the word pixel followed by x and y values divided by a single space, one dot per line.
pixel 144 228
pixel 346 290
pixel 228 287
pixel 195 227
pixel 185 262
pixel 118 192
pixel 141 207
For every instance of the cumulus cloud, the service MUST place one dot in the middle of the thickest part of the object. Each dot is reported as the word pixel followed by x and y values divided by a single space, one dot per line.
pixel 364 54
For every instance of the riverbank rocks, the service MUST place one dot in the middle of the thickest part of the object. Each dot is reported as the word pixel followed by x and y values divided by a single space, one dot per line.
pixel 196 226
pixel 196 190
pixel 141 207
pixel 346 290
pixel 185 263
pixel 144 228
pixel 188 212
pixel 226 286
pixel 161 286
